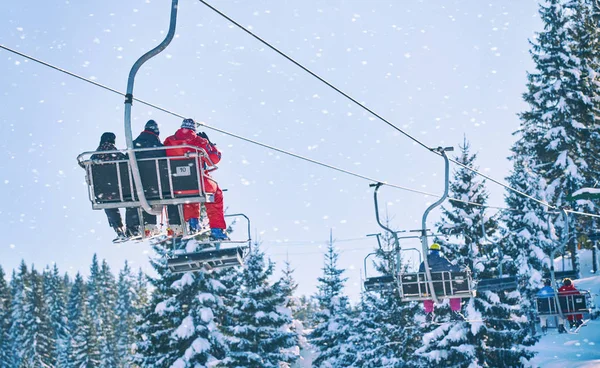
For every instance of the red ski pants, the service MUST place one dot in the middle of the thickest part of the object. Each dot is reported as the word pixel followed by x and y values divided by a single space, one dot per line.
pixel 214 210
pixel 454 305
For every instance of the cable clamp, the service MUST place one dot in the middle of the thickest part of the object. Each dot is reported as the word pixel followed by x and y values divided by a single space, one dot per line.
pixel 129 98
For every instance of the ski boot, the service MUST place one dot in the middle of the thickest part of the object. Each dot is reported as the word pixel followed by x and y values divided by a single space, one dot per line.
pixel 175 231
pixel 151 230
pixel 133 232
pixel 121 236
pixel 561 329
pixel 218 234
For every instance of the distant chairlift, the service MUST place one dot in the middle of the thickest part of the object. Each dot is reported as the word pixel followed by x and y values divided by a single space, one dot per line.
pixel 563 304
pixel 419 285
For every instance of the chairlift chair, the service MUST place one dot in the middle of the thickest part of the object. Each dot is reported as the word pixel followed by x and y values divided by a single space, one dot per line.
pixel 497 284
pixel 212 258
pixel 378 283
pixel 168 180
pixel 570 304
pixel 446 284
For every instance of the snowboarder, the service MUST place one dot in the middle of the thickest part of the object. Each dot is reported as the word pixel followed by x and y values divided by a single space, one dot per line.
pixel 548 292
pixel 439 263
pixel 569 289
pixel 147 139
pixel 186 135
pixel 107 143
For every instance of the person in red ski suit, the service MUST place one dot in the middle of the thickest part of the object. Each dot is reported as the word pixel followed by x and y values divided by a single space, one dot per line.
pixel 186 135
pixel 575 320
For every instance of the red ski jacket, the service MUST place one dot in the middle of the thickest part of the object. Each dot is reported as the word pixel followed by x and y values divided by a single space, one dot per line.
pixel 189 137
pixel 570 290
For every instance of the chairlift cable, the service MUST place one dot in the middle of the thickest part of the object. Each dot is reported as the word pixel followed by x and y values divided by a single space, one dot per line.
pixel 313 74
pixel 363 106
pixel 170 112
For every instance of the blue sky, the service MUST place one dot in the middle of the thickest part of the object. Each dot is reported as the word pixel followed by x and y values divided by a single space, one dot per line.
pixel 438 69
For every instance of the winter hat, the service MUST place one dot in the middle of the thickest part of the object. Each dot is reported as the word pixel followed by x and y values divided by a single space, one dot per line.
pixel 108 137
pixel 547 282
pixel 435 246
pixel 567 282
pixel 188 124
pixel 152 127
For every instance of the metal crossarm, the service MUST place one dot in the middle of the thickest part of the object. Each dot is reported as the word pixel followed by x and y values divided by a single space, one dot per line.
pixel 209 259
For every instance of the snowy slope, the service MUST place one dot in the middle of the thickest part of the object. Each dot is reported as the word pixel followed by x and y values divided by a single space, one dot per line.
pixel 581 350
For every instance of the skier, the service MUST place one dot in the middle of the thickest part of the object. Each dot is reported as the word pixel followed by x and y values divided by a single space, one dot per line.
pixel 107 143
pixel 147 139
pixel 548 292
pixel 569 289
pixel 438 263
pixel 186 135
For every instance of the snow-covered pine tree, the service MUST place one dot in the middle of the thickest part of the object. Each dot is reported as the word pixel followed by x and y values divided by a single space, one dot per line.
pixel 84 347
pixel 461 222
pixel 56 300
pixel 127 315
pixel 306 310
pixel 5 321
pixel 392 325
pixel 333 320
pixel 287 285
pixel 179 328
pixel 527 235
pixel 30 333
pixel 562 95
pixel 259 333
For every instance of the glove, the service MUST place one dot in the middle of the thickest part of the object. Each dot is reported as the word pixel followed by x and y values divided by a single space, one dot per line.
pixel 203 135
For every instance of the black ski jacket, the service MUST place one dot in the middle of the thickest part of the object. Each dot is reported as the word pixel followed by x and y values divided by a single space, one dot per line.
pixel 148 139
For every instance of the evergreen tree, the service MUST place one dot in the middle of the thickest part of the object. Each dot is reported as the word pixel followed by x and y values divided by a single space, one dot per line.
pixel 333 327
pixel 461 222
pixel 102 295
pixel 527 234
pixel 260 334
pixel 30 330
pixel 127 314
pixel 56 300
pixel 5 321
pixel 563 103
pixel 179 326
pixel 287 285
pixel 306 310
pixel 84 347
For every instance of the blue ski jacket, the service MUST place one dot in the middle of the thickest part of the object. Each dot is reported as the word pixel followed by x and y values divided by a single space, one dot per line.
pixel 438 263
pixel 546 291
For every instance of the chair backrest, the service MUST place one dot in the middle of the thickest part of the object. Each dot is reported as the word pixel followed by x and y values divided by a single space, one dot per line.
pixel 445 283
pixel 110 182
pixel 166 180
